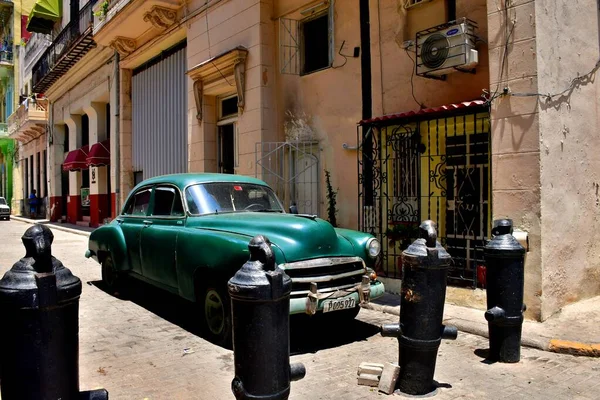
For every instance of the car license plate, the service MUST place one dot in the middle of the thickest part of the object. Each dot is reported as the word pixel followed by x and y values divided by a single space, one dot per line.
pixel 339 304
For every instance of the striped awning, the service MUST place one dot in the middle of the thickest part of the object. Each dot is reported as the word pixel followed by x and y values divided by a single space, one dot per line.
pixel 43 16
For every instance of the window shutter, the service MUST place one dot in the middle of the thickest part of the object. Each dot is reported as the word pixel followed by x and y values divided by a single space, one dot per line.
pixel 289 46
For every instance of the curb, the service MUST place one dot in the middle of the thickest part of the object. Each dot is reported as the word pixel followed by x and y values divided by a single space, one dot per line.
pixel 53 226
pixel 536 342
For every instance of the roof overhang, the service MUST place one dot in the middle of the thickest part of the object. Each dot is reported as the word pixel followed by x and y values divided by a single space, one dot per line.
pixel 427 113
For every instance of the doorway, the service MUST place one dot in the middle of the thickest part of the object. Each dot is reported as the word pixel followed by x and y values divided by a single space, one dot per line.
pixel 227 149
pixel 226 137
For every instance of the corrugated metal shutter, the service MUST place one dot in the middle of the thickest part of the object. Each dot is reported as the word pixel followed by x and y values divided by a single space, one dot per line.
pixel 159 107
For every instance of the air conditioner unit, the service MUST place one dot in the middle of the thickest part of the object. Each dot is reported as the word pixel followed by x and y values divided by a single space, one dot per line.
pixel 446 48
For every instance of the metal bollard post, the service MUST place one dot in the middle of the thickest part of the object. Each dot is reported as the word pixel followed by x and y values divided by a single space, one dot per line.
pixel 39 304
pixel 260 307
pixel 505 259
pixel 425 267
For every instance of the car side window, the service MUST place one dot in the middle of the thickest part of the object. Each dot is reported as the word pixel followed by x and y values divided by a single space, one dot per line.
pixel 138 204
pixel 167 202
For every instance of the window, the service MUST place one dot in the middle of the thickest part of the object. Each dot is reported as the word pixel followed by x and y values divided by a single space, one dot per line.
pixel 306 45
pixel 138 204
pixel 167 202
pixel 138 177
pixel 225 197
pixel 315 44
pixel 228 107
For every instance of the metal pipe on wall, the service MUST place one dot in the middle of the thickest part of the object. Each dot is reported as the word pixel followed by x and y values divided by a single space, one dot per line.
pixel 117 130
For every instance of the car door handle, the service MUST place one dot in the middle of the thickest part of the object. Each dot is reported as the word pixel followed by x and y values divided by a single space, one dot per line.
pixel 146 222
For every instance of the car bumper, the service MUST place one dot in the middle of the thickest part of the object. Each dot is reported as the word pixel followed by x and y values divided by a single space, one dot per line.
pixel 302 305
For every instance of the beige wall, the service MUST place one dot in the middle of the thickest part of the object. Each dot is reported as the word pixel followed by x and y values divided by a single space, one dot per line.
pixel 515 134
pixel 569 159
pixel 231 23
pixel 329 103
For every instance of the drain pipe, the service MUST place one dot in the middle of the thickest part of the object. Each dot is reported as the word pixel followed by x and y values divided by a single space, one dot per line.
pixel 117 131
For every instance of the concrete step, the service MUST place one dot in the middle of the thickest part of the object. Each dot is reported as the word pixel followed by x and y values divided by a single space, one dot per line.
pixel 86 219
pixel 83 223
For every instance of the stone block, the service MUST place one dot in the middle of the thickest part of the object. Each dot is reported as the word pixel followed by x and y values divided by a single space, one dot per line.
pixel 370 368
pixel 368 380
pixel 387 382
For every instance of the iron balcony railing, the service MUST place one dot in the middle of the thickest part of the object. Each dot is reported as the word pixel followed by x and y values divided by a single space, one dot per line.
pixel 3 129
pixel 77 28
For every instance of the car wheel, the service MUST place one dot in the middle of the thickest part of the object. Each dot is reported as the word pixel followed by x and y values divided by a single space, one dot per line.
pixel 216 310
pixel 110 276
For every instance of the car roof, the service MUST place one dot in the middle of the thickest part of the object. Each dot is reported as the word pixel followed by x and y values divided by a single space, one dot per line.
pixel 183 180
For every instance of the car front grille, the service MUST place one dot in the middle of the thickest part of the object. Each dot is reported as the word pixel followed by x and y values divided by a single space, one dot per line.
pixel 330 274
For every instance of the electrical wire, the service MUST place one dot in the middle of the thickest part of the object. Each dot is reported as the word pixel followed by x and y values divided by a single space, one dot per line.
pixel 340 53
pixel 208 40
pixel 412 86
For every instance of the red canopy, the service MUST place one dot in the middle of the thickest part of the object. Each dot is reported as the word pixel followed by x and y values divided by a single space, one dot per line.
pixel 75 160
pixel 99 154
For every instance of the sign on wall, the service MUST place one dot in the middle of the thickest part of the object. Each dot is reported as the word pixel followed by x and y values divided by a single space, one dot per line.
pixel 85 197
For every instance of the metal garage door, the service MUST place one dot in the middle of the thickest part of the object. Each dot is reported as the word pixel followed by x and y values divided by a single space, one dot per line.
pixel 159 106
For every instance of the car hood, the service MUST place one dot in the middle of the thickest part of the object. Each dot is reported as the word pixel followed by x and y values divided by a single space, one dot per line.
pixel 299 237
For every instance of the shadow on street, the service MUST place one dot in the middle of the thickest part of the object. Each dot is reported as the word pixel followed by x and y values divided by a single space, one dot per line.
pixel 307 334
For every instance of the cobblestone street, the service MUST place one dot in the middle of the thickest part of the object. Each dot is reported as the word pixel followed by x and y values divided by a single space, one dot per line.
pixel 147 347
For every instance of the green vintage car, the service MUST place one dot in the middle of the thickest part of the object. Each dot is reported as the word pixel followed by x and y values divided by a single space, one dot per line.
pixel 189 234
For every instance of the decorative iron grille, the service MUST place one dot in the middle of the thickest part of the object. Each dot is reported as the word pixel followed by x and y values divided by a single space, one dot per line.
pixel 438 169
pixel 292 170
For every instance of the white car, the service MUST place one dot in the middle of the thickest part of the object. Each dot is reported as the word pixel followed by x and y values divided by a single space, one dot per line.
pixel 4 209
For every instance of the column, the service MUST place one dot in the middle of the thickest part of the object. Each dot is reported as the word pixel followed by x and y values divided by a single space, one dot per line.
pixel 96 113
pixel 74 213
pixel 125 132
pixel 114 120
pixel 55 159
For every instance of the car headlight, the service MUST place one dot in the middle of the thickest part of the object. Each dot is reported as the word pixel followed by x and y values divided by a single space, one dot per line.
pixel 373 247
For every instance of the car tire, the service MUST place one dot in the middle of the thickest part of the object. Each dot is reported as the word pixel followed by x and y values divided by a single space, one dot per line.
pixel 215 307
pixel 111 278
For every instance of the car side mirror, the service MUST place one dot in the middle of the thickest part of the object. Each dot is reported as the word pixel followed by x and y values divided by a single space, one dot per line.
pixel 293 208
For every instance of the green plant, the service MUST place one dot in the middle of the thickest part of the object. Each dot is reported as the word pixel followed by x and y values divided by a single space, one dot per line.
pixel 331 200
pixel 102 10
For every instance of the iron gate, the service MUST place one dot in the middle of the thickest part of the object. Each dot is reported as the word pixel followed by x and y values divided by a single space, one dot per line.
pixel 292 170
pixel 435 169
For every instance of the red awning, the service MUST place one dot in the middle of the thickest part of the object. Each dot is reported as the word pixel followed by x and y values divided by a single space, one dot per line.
pixel 434 110
pixel 99 154
pixel 75 160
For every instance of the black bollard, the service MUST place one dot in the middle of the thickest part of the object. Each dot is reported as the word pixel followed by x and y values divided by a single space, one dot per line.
pixel 260 307
pixel 425 267
pixel 39 305
pixel 505 260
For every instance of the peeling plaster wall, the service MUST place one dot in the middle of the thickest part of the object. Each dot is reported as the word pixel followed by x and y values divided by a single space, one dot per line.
pixel 567 47
pixel 328 103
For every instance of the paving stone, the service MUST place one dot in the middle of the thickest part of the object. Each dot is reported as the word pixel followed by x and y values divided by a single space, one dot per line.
pixel 134 350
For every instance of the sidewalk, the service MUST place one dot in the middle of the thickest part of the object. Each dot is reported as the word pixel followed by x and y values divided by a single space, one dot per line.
pixel 66 227
pixel 574 330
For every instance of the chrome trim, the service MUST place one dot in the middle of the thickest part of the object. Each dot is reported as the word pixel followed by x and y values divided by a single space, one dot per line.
pixel 322 262
pixel 325 290
pixel 327 278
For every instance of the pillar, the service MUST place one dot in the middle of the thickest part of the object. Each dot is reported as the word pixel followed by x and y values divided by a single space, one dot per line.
pixel 74 212
pixel 114 121
pixel 55 159
pixel 96 113
pixel 125 134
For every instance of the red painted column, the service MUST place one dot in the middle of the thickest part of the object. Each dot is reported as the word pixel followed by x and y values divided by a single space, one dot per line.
pixel 74 213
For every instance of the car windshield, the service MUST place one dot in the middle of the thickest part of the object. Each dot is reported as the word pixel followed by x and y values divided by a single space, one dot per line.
pixel 2 201
pixel 221 197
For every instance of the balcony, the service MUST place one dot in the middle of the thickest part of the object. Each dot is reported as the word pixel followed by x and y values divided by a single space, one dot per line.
pixel 29 121
pixel 6 57
pixel 126 25
pixel 69 46
pixel 3 130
